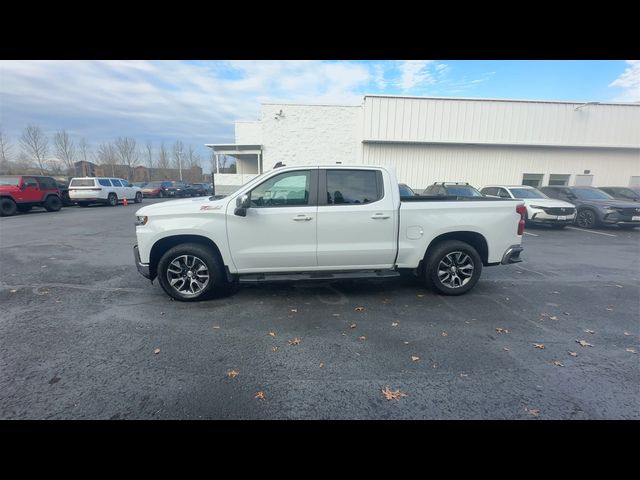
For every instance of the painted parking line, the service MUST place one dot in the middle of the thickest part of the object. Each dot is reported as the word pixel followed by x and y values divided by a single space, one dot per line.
pixel 591 231
pixel 532 234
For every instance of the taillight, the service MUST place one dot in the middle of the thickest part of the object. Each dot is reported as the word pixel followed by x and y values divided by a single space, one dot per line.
pixel 522 210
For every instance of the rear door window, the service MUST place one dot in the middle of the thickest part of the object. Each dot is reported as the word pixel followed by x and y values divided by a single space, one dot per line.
pixel 104 182
pixel 353 187
pixel 115 182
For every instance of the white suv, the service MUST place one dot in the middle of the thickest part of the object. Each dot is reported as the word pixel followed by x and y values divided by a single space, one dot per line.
pixel 540 208
pixel 88 190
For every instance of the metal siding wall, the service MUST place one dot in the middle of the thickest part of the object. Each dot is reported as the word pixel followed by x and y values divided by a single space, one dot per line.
pixel 500 122
pixel 421 165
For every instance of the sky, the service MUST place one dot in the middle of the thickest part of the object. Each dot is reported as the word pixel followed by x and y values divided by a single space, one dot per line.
pixel 198 101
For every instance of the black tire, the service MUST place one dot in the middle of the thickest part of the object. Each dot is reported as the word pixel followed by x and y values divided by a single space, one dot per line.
pixel 24 208
pixel 461 256
pixel 138 198
pixel 627 227
pixel 557 226
pixel 112 200
pixel 586 218
pixel 216 281
pixel 7 207
pixel 52 203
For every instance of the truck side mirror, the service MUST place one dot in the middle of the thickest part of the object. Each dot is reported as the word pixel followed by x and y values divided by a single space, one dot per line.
pixel 242 203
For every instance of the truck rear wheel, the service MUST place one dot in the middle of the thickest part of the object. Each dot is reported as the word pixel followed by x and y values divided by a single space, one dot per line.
pixel 452 267
pixel 190 272
pixel 52 203
pixel 7 207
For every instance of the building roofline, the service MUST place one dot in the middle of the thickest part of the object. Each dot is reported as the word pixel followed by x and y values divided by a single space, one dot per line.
pixel 310 104
pixel 476 99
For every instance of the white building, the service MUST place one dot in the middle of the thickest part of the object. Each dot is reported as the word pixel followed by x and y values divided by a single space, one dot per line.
pixel 448 139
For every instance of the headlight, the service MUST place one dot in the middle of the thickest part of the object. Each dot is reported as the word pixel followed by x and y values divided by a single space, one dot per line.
pixel 141 220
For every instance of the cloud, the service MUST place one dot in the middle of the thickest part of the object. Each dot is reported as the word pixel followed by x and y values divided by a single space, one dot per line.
pixel 629 80
pixel 415 73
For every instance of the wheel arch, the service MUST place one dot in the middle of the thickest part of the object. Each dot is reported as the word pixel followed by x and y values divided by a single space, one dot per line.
pixel 164 244
pixel 475 239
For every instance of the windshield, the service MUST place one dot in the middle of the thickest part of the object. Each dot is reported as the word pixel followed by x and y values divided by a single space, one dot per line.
pixel 591 194
pixel 463 191
pixel 15 181
pixel 527 193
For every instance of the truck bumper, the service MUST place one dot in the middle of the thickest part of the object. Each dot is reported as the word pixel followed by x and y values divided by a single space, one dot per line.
pixel 143 268
pixel 512 255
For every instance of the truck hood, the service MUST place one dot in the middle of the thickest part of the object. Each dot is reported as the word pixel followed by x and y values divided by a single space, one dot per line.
pixel 546 202
pixel 186 205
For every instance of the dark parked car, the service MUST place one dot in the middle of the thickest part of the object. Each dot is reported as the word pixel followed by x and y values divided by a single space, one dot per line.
pixel 156 189
pixel 454 189
pixel 201 189
pixel 406 191
pixel 596 207
pixel 622 193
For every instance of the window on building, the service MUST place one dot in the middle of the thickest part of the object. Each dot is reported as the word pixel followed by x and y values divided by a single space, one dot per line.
pixel 556 179
pixel 634 181
pixel 286 189
pixel 532 179
pixel 348 187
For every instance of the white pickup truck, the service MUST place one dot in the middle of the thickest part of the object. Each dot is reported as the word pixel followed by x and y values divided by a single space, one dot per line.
pixel 325 222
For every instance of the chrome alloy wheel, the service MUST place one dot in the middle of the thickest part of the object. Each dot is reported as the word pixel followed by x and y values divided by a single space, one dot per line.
pixel 188 275
pixel 455 269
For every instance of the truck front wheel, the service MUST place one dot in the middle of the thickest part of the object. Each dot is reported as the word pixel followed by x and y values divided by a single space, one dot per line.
pixel 452 267
pixel 190 272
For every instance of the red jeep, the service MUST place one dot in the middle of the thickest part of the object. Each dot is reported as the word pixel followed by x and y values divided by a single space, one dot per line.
pixel 21 192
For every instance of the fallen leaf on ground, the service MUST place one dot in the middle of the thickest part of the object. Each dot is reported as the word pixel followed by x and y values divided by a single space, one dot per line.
pixel 630 350
pixel 386 300
pixel 414 358
pixel 13 290
pixel 566 313
pixel 294 310
pixel 156 351
pixel 393 394
pixel 274 349
pixel 216 327
pixel 619 286
pixel 502 330
pixel 627 334
pixel 589 331
pixel 555 292
pixel 232 374
pixel 464 374
pixel 467 322
pixel 259 396
pixel 335 314
pixel 353 325
pixel 406 343
pixel 295 341
pixel 362 338
pixel 420 295
pixel 610 307
pixel 321 364
pixel 539 345
pixel 573 354
pixel 359 309
pixel 505 349
pixel 272 334
pixel 532 411
pixel 444 334
pixel 161 313
pixel 558 363
pixel 584 343
pixel 344 334
pixel 553 317
pixel 394 324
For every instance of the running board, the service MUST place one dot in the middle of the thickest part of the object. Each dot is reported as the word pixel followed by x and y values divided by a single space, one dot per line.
pixel 292 277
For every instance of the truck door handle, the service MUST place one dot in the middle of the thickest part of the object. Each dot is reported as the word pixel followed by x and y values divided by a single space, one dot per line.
pixel 379 216
pixel 301 218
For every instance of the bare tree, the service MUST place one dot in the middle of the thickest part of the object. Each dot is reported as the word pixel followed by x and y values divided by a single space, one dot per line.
pixel 5 152
pixel 127 153
pixel 65 149
pixel 149 154
pixel 163 161
pixel 106 155
pixel 84 151
pixel 36 145
pixel 178 152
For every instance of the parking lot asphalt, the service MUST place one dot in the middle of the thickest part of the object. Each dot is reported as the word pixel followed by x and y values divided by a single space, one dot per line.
pixel 79 327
